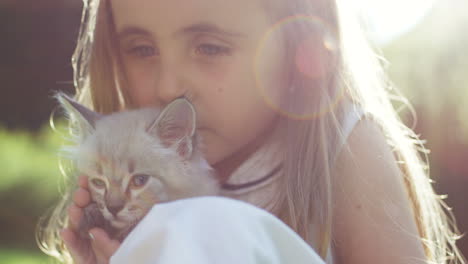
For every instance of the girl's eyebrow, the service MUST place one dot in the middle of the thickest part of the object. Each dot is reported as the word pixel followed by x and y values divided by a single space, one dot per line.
pixel 210 28
pixel 194 28
pixel 132 30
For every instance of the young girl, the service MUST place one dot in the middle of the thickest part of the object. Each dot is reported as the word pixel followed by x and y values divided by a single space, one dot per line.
pixel 294 113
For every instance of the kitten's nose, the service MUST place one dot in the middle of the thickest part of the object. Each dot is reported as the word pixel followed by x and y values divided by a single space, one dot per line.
pixel 115 209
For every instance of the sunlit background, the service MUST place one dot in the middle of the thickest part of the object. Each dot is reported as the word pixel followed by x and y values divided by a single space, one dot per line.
pixel 424 43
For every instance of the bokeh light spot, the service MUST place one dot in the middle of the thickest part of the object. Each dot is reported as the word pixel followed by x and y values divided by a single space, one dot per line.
pixel 309 63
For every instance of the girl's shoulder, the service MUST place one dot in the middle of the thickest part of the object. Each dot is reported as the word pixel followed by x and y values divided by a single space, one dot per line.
pixel 373 218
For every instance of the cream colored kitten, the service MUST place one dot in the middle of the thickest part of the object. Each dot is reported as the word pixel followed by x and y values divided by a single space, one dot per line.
pixel 135 159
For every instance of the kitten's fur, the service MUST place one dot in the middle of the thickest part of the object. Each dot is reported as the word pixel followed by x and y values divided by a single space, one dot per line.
pixel 119 152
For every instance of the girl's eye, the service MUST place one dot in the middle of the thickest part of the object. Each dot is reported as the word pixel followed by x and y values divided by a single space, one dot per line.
pixel 139 180
pixel 98 183
pixel 212 50
pixel 142 51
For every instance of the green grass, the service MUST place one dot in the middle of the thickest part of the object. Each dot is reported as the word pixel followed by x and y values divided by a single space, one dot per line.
pixel 29 183
pixel 17 256
pixel 30 158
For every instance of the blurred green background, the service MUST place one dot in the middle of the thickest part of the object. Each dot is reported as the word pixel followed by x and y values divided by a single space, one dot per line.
pixel 429 64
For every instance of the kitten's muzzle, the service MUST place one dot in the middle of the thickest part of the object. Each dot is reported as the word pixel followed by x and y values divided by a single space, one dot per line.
pixel 115 209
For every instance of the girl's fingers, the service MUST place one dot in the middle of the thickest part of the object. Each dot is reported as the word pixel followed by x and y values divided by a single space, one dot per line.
pixel 83 181
pixel 81 197
pixel 80 252
pixel 75 214
pixel 69 239
pixel 103 246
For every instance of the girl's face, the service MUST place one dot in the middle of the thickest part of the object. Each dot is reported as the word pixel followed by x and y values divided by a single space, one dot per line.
pixel 205 50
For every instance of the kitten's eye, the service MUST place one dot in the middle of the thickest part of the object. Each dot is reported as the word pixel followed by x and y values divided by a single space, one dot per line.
pixel 139 180
pixel 98 183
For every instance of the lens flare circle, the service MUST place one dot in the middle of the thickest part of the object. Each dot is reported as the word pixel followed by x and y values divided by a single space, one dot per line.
pixel 310 58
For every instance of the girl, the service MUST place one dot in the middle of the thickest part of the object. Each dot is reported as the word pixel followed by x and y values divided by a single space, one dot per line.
pixel 295 116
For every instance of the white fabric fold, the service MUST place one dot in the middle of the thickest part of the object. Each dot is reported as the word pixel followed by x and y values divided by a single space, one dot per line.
pixel 213 230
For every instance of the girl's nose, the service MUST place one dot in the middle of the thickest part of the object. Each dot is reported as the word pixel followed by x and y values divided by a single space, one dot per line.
pixel 169 85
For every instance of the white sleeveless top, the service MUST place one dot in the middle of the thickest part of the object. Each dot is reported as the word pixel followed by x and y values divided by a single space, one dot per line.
pixel 266 162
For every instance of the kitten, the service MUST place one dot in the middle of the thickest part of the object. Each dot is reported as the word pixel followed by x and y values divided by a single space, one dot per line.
pixel 135 159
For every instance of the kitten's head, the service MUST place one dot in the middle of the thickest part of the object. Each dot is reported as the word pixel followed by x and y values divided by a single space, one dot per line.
pixel 137 158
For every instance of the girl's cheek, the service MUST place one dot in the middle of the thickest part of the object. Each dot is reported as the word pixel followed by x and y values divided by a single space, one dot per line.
pixel 218 76
pixel 215 72
pixel 142 85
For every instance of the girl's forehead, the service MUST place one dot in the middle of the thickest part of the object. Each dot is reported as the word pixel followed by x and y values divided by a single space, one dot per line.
pixel 166 17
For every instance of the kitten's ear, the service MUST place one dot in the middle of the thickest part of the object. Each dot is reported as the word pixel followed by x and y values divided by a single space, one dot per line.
pixel 175 126
pixel 85 117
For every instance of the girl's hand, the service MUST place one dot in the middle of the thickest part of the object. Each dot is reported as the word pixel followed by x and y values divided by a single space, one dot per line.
pixel 100 247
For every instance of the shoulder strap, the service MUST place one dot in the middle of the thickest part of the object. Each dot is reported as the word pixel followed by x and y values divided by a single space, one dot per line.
pixel 351 117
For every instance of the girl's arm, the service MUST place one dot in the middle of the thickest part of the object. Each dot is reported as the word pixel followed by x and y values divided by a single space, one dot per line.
pixel 373 217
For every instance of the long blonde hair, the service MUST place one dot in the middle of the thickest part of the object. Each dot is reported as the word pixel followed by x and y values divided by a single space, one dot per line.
pixel 312 145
